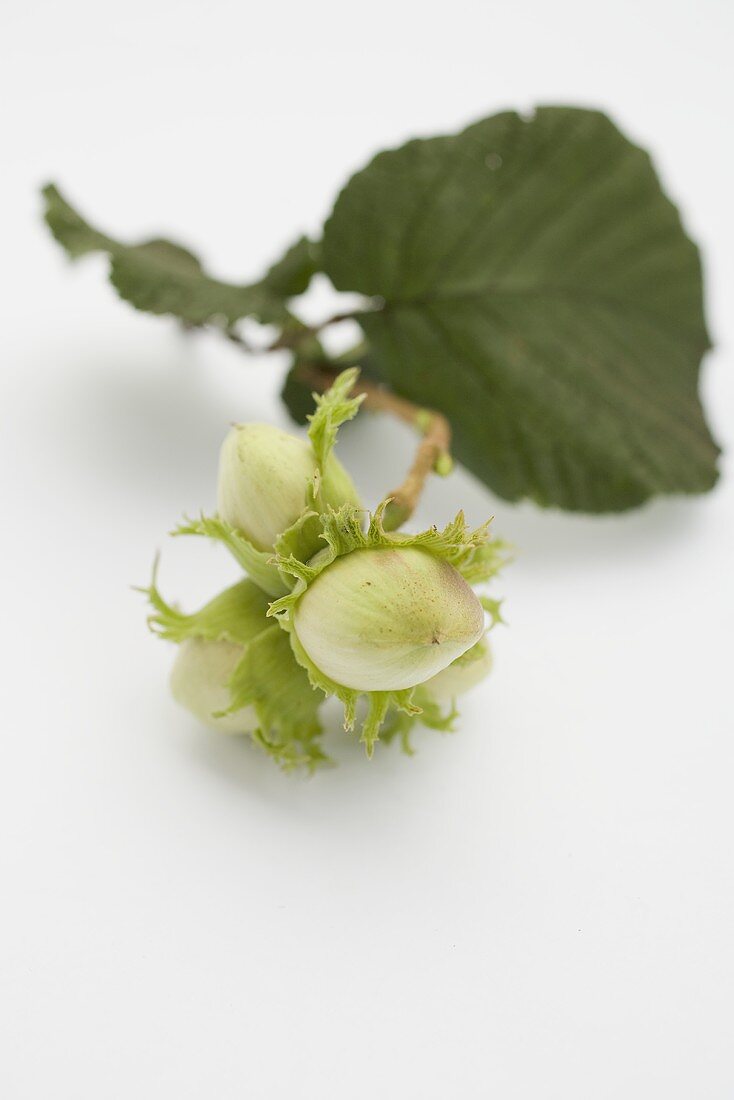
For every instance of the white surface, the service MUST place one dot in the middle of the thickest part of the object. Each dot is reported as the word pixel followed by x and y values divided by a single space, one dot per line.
pixel 538 908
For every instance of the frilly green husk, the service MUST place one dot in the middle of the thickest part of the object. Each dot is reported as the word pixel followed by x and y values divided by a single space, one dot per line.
pixel 267 676
pixel 275 675
pixel 470 552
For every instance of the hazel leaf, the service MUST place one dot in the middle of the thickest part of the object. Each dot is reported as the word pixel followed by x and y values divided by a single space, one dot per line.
pixel 291 275
pixel 162 277
pixel 532 281
pixel 296 395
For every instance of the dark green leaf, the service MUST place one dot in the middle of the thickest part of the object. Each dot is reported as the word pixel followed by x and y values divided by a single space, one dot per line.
pixel 297 395
pixel 162 277
pixel 533 282
pixel 69 228
pixel 292 274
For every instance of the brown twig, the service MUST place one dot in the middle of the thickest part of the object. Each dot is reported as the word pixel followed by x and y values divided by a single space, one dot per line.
pixel 290 340
pixel 433 453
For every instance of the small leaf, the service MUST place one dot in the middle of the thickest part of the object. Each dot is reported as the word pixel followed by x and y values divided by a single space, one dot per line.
pixel 333 408
pixel 258 563
pixel 291 275
pixel 69 228
pixel 533 282
pixel 236 615
pixel 162 277
pixel 429 714
pixel 303 538
pixel 297 394
pixel 269 679
pixel 494 610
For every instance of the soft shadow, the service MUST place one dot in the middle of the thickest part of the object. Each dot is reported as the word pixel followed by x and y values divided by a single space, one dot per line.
pixel 352 779
pixel 151 427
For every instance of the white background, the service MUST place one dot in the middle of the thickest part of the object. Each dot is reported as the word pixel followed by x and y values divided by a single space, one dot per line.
pixel 539 907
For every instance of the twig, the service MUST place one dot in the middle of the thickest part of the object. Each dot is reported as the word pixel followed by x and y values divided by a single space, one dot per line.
pixel 289 340
pixel 237 338
pixel 433 453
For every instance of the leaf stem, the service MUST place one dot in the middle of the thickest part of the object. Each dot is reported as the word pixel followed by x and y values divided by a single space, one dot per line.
pixel 433 452
pixel 290 340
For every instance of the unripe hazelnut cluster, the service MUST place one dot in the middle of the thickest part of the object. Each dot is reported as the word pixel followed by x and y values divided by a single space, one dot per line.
pixel 334 604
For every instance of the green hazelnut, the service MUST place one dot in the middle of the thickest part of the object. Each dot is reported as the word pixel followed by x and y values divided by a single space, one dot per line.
pixel 461 675
pixel 199 682
pixel 264 474
pixel 387 619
